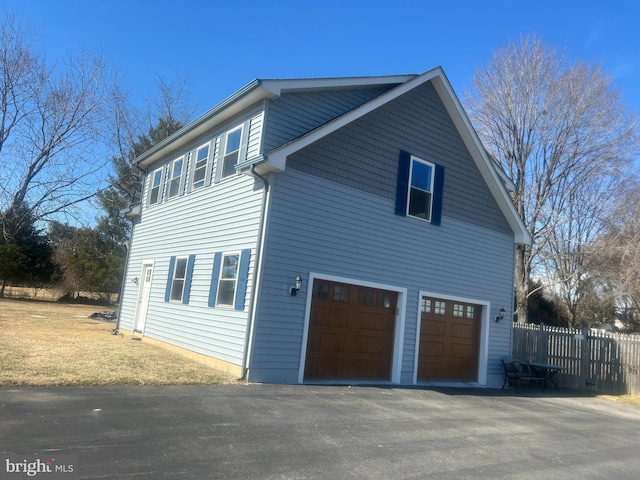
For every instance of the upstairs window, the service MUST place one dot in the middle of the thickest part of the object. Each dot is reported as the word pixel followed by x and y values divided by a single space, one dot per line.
pixel 200 166
pixel 156 182
pixel 420 189
pixel 231 152
pixel 175 177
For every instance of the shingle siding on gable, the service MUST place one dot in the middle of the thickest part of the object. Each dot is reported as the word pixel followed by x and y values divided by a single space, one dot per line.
pixel 294 114
pixel 364 155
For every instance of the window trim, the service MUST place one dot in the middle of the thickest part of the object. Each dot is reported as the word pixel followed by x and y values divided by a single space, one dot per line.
pixel 206 167
pixel 224 154
pixel 159 186
pixel 173 178
pixel 410 186
pixel 220 279
pixel 242 279
pixel 403 185
pixel 174 278
pixel 188 276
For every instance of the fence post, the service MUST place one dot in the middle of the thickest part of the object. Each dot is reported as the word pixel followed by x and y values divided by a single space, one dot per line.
pixel 585 355
pixel 543 344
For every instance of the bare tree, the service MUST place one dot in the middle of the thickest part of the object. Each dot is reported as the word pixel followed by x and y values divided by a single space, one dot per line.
pixel 616 256
pixel 566 256
pixel 52 124
pixel 555 128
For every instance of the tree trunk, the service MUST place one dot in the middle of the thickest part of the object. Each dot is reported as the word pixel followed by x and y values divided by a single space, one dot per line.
pixel 522 279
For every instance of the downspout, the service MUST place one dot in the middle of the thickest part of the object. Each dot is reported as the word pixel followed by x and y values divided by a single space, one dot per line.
pixel 256 270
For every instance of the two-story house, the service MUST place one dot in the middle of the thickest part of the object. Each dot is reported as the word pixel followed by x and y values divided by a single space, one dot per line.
pixel 328 230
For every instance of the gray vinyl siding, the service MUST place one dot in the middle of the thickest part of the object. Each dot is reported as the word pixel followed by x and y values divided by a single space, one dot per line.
pixel 294 114
pixel 364 155
pixel 220 218
pixel 336 230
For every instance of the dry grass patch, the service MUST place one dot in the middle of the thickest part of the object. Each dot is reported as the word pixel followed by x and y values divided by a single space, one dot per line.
pixel 628 399
pixel 44 343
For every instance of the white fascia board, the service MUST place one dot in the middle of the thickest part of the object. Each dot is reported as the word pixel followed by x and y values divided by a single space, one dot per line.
pixel 485 164
pixel 277 87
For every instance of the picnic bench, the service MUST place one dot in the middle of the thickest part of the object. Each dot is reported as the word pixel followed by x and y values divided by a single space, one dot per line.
pixel 519 373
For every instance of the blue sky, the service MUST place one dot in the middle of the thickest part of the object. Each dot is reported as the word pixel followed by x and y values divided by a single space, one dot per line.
pixel 221 46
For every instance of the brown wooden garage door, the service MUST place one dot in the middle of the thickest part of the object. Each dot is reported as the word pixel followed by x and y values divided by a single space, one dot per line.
pixel 449 340
pixel 351 332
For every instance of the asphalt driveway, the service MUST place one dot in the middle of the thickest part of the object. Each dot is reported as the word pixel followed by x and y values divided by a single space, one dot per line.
pixel 321 432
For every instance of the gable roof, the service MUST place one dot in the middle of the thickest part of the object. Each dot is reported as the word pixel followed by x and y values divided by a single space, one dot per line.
pixel 251 94
pixel 275 161
pixel 495 180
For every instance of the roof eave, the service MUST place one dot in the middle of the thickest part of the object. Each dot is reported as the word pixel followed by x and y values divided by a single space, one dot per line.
pixel 231 106
pixel 251 94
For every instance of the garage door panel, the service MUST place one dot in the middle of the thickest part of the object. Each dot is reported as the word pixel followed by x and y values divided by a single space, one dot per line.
pixel 331 318
pixel 463 330
pixel 374 322
pixel 359 319
pixel 461 350
pixel 327 342
pixel 432 349
pixel 371 345
pixel 436 328
pixel 320 367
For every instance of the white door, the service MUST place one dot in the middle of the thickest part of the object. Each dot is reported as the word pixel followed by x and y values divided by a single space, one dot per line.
pixel 143 298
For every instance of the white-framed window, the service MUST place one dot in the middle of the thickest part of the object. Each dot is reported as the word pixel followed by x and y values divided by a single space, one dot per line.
pixel 175 177
pixel 228 281
pixel 231 151
pixel 155 186
pixel 179 276
pixel 200 166
pixel 420 195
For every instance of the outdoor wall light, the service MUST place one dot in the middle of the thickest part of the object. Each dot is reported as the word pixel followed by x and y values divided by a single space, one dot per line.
pixel 294 290
pixel 501 315
pixel 135 280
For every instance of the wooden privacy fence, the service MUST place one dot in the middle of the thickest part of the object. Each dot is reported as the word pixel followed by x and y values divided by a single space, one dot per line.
pixel 601 361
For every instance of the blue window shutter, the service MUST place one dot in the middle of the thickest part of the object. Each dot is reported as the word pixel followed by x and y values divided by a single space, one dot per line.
pixel 167 292
pixel 243 275
pixel 215 274
pixel 404 165
pixel 438 187
pixel 187 279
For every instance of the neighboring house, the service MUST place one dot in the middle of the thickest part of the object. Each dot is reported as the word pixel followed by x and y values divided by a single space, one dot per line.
pixel 374 192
